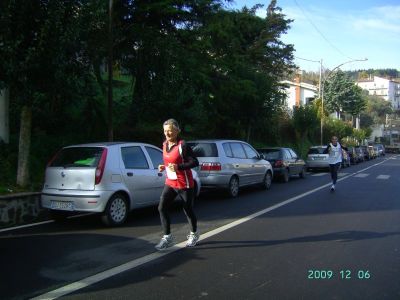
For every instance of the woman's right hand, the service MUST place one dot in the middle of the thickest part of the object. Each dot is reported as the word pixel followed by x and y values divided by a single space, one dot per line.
pixel 161 168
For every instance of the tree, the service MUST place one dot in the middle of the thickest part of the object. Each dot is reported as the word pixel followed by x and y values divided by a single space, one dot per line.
pixel 342 95
pixel 305 121
pixel 337 127
pixel 248 60
pixel 42 63
pixel 355 103
pixel 377 109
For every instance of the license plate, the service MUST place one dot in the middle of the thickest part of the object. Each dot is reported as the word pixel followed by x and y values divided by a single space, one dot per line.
pixel 62 205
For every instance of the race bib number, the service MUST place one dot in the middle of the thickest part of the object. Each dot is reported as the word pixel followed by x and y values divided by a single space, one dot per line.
pixel 171 175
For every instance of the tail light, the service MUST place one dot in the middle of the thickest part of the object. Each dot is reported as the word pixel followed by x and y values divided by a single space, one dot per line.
pixel 53 158
pixel 278 163
pixel 100 166
pixel 211 166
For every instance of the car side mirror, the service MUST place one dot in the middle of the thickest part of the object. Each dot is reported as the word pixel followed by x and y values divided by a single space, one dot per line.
pixel 261 156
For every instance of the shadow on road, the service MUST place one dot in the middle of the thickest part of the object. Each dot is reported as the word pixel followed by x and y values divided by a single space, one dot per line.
pixel 342 237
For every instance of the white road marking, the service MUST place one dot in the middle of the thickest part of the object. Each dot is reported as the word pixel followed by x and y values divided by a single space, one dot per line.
pixel 77 285
pixel 361 175
pixel 319 174
pixel 383 177
pixel 42 223
pixel 341 174
pixel 25 226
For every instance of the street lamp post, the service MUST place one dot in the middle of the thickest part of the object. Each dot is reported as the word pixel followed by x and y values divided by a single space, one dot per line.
pixel 322 91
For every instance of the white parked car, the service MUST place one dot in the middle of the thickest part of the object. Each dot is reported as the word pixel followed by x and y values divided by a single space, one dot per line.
pixel 109 178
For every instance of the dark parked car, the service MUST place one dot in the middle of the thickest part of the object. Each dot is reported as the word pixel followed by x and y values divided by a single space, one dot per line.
pixel 367 154
pixel 285 162
pixel 362 153
pixel 354 157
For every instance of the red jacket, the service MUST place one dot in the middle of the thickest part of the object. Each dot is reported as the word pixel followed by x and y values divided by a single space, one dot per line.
pixel 183 156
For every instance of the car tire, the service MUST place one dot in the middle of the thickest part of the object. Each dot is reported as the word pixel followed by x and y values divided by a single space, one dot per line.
pixel 285 176
pixel 267 181
pixel 116 211
pixel 233 187
pixel 302 174
pixel 59 215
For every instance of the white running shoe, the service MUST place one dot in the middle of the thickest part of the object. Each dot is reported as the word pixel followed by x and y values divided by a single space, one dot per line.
pixel 192 239
pixel 332 188
pixel 165 242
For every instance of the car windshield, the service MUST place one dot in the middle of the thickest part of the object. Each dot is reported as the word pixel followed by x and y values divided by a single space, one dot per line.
pixel 204 149
pixel 77 157
pixel 270 153
pixel 319 150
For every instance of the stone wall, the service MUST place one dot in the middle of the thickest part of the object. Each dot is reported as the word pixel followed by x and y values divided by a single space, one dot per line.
pixel 20 209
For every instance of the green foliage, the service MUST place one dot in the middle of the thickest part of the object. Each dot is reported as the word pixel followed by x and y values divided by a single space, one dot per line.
pixel 376 111
pixel 336 127
pixel 306 121
pixel 360 134
pixel 342 95
pixel 363 74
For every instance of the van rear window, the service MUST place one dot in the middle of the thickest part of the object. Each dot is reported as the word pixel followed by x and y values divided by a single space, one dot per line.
pixel 204 149
pixel 77 157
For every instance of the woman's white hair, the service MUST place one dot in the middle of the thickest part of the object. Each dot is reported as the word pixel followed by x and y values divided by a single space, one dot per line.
pixel 173 123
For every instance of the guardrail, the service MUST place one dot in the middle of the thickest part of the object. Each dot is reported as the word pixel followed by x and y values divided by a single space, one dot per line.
pixel 22 208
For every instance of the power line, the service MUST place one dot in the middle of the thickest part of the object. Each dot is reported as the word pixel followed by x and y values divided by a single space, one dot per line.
pixel 316 61
pixel 322 35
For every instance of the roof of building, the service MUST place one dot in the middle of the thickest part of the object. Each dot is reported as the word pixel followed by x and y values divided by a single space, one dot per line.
pixel 301 84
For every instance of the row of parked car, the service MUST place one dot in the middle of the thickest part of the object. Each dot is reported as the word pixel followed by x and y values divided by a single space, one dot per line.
pixel 316 159
pixel 115 178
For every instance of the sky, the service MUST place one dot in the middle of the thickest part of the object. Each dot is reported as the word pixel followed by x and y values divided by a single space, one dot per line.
pixel 339 31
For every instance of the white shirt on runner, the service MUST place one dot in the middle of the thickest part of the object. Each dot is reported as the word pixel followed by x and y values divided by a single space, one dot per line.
pixel 335 154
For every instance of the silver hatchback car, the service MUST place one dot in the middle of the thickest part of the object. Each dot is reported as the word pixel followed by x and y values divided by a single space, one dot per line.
pixel 316 159
pixel 230 164
pixel 108 178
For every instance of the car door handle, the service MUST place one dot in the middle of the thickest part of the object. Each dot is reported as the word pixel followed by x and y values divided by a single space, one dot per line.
pixel 252 166
pixel 237 166
pixel 130 174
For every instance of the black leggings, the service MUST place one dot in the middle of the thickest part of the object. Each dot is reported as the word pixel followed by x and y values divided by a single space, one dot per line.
pixel 167 198
pixel 334 170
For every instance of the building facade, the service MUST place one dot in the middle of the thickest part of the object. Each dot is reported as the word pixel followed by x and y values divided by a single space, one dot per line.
pixel 299 93
pixel 382 87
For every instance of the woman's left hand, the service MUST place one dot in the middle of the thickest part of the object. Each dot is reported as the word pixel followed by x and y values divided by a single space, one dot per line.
pixel 173 167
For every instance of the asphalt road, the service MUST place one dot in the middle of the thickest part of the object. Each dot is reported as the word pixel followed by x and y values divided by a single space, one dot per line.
pixel 310 244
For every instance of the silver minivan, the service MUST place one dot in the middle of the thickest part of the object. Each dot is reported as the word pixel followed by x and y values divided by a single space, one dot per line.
pixel 230 164
pixel 109 178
